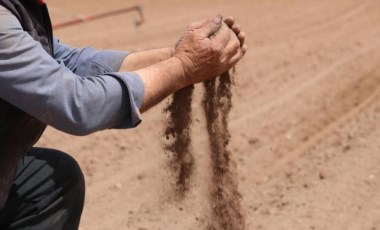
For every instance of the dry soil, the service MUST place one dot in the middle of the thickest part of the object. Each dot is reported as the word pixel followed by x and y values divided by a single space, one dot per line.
pixel 305 125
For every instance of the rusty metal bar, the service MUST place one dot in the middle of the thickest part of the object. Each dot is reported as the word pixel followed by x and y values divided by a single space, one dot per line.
pixel 84 19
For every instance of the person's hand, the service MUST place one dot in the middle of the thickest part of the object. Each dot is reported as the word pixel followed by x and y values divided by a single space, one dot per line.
pixel 208 49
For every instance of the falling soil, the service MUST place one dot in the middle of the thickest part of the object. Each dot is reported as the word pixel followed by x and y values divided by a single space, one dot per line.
pixel 224 197
pixel 178 133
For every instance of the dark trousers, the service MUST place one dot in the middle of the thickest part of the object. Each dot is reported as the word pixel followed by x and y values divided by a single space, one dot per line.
pixel 48 193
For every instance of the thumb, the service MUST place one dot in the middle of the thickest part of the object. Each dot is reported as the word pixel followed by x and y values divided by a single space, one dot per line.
pixel 211 26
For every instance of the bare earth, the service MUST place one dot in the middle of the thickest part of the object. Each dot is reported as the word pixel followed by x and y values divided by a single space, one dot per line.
pixel 305 122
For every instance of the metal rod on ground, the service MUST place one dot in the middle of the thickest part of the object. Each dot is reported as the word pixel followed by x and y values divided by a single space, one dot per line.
pixel 84 19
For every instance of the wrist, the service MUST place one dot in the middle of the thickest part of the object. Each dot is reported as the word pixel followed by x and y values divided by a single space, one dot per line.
pixel 184 79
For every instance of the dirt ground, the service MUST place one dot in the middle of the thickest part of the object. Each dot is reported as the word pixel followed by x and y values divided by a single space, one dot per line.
pixel 305 122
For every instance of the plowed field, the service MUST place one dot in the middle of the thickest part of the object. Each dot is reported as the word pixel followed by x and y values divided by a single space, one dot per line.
pixel 305 124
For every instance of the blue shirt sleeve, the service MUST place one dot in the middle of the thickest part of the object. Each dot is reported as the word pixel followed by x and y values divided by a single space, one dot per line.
pixel 87 61
pixel 72 99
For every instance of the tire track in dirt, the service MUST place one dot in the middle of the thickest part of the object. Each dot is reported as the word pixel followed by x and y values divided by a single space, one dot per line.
pixel 333 180
pixel 326 24
pixel 282 76
pixel 312 82
pixel 297 17
pixel 303 149
pixel 318 19
pixel 311 44
pixel 283 134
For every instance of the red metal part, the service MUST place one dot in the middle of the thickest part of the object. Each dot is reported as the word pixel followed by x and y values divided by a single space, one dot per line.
pixel 84 19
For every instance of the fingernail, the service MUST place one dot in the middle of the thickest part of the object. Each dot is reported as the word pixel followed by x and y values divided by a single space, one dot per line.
pixel 217 19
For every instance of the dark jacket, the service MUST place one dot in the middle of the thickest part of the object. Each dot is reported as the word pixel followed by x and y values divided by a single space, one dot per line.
pixel 18 130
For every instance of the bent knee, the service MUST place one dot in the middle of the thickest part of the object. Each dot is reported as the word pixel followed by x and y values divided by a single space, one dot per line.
pixel 67 172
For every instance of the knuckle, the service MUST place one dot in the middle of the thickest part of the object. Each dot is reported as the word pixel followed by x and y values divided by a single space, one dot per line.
pixel 217 48
pixel 191 26
pixel 237 27
pixel 236 45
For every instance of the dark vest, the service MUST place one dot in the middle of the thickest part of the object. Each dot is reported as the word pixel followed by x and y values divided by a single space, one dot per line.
pixel 18 130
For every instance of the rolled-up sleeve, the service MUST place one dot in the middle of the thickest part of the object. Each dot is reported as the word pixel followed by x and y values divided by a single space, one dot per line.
pixel 78 91
pixel 88 61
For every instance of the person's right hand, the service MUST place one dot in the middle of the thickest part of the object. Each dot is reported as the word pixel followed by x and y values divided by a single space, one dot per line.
pixel 207 49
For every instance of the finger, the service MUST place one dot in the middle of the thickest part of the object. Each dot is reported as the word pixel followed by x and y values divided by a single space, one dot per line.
pixel 222 37
pixel 237 55
pixel 236 58
pixel 211 27
pixel 236 28
pixel 244 49
pixel 197 25
pixel 229 21
pixel 241 38
pixel 233 45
